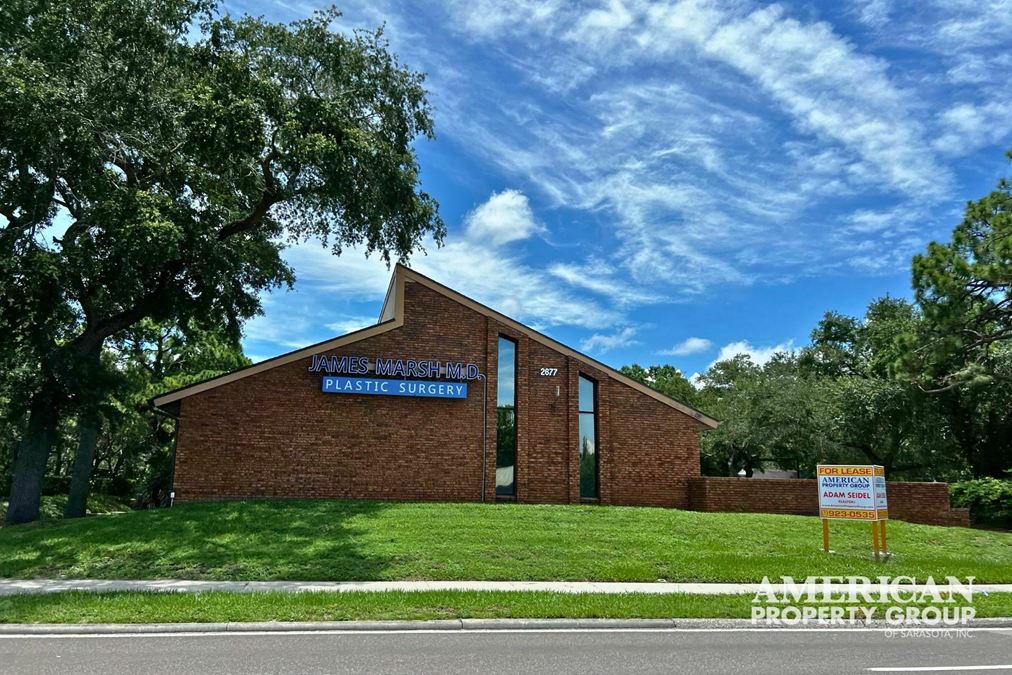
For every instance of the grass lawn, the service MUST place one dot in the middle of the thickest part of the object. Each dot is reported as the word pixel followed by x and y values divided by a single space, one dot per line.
pixel 218 607
pixel 52 506
pixel 357 540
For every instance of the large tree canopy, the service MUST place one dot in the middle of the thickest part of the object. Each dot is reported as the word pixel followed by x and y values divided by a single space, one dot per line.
pixel 666 379
pixel 965 289
pixel 770 416
pixel 154 161
pixel 874 415
pixel 963 351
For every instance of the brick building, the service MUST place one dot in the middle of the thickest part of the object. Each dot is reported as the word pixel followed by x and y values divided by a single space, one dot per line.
pixel 442 399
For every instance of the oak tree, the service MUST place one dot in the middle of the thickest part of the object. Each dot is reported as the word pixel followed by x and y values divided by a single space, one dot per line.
pixel 155 159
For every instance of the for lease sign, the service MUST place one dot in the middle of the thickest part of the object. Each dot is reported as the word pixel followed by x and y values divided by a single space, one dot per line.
pixel 852 492
pixel 881 504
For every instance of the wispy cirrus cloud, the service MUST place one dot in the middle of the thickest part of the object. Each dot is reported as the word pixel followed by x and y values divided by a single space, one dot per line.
pixel 969 127
pixel 600 278
pixel 349 324
pixel 482 264
pixel 605 342
pixel 625 154
pixel 669 130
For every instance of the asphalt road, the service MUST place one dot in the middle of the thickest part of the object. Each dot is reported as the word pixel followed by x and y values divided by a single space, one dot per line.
pixel 556 652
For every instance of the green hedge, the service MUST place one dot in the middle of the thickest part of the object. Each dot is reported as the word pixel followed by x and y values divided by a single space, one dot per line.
pixel 989 500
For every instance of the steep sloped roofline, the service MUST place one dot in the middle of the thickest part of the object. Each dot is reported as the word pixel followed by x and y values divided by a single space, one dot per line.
pixel 392 316
pixel 537 336
pixel 282 359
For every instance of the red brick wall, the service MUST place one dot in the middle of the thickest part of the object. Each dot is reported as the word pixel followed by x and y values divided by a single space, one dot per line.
pixel 275 434
pixel 545 425
pixel 926 503
pixel 652 456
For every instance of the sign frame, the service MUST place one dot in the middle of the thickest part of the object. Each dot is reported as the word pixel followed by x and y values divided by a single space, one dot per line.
pixel 854 492
pixel 374 386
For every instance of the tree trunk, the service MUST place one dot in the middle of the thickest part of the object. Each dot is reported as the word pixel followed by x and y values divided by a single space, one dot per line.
pixel 33 453
pixel 80 480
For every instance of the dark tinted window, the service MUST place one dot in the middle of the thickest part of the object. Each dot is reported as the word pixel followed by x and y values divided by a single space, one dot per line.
pixel 506 419
pixel 588 438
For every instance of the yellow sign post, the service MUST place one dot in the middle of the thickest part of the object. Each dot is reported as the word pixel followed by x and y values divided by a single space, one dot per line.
pixel 854 492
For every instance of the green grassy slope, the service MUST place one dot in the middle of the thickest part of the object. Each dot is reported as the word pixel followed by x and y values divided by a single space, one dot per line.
pixel 52 506
pixel 222 607
pixel 344 540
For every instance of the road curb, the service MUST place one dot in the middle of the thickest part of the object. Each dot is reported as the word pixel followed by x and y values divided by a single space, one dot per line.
pixel 450 625
pixel 38 586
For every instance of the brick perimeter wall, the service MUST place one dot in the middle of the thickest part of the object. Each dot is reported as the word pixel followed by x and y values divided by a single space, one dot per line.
pixel 926 503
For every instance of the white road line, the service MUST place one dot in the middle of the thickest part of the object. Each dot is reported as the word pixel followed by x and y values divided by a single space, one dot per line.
pixel 946 669
pixel 458 631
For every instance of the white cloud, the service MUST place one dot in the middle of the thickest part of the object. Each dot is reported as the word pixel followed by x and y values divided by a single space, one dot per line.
pixel 489 18
pixel 607 21
pixel 350 274
pixel 512 287
pixel 697 143
pixel 287 323
pixel 691 345
pixel 874 13
pixel 505 217
pixel 833 91
pixel 979 69
pixel 597 276
pixel 760 355
pixel 669 139
pixel 868 220
pixel 350 324
pixel 967 127
pixel 479 267
pixel 601 342
pixel 521 291
pixel 971 24
pixel 475 264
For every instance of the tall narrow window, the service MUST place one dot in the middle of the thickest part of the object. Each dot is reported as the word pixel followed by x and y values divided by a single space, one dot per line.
pixel 588 438
pixel 506 419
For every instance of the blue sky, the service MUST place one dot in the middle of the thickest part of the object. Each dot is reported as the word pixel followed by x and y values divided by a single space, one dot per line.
pixel 676 182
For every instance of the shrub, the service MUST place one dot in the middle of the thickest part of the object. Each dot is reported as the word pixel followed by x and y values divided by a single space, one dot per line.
pixel 989 500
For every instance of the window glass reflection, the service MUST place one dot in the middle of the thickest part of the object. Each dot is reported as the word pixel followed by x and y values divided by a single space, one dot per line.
pixel 506 420
pixel 588 438
pixel 586 395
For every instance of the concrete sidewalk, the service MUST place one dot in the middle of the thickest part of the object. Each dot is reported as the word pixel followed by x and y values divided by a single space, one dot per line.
pixel 17 586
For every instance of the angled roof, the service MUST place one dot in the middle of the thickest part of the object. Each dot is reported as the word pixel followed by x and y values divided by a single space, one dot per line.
pixel 392 317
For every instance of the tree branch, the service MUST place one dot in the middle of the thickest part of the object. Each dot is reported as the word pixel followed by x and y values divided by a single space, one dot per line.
pixel 96 333
pixel 270 196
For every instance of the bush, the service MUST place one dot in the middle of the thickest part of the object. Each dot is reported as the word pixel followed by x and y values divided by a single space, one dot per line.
pixel 989 501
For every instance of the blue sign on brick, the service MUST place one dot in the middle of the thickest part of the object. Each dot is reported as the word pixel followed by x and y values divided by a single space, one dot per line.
pixel 383 387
